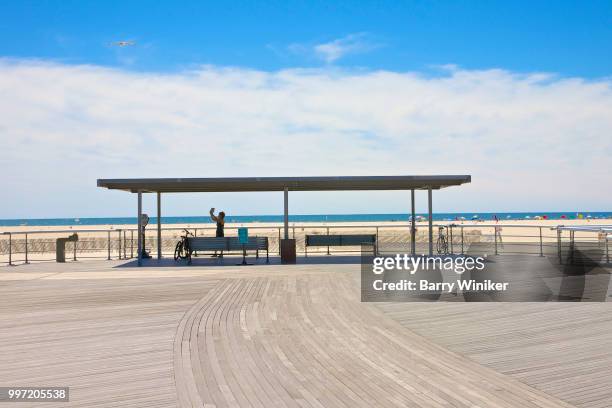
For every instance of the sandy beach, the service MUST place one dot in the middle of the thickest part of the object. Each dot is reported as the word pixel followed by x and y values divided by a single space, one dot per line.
pixel 94 241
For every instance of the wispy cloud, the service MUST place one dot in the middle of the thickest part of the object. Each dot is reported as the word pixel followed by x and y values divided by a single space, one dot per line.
pixel 332 51
pixel 529 141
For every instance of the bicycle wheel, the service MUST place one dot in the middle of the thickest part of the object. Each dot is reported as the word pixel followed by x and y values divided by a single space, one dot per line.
pixel 178 251
pixel 441 245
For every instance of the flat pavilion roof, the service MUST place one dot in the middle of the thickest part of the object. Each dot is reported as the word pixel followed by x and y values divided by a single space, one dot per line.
pixel 236 184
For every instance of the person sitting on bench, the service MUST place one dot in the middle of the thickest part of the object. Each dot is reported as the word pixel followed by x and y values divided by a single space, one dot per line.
pixel 220 220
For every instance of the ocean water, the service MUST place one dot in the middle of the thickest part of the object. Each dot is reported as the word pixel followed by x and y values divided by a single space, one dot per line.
pixel 332 218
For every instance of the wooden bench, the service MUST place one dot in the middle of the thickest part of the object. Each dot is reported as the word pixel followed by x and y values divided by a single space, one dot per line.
pixel 209 244
pixel 340 240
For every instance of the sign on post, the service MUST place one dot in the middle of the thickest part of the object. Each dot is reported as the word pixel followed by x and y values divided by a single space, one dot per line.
pixel 243 235
pixel 243 239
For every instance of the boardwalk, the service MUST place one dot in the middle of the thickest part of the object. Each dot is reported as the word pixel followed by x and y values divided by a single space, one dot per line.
pixel 564 349
pixel 257 336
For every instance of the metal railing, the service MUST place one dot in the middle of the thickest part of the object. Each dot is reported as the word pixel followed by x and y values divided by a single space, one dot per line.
pixel 120 243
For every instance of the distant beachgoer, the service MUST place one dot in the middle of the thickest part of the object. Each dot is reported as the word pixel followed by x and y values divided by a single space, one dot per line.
pixel 220 220
pixel 601 238
pixel 498 230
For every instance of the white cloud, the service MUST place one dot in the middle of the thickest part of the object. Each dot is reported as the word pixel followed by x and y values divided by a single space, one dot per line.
pixel 531 142
pixel 330 52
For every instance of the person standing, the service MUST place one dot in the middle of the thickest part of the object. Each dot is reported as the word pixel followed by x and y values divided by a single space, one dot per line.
pixel 220 220
pixel 498 231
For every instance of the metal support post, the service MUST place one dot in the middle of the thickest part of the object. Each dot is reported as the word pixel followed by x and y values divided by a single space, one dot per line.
pixel 559 246
pixel 541 244
pixel 139 229
pixel 286 212
pixel 413 225
pixel 159 234
pixel 10 249
pixel 430 216
pixel 26 249
pixel 495 235
pixel 375 243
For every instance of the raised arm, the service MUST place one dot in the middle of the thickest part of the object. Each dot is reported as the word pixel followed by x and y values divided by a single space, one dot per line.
pixel 212 215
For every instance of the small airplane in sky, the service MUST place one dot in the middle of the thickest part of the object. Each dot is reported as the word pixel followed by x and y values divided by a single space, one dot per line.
pixel 123 43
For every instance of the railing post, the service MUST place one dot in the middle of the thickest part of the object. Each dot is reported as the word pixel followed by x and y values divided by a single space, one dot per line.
pixel 559 246
pixel 195 234
pixel 109 245
pixel 495 235
pixel 607 250
pixel 124 245
pixel 119 244
pixel 279 239
pixel 10 249
pixel 74 248
pixel 328 234
pixel 462 252
pixel 376 242
pixel 26 248
pixel 541 245
pixel 450 229
pixel 572 247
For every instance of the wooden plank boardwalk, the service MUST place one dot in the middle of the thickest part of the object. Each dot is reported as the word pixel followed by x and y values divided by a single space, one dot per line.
pixel 564 349
pixel 106 334
pixel 228 336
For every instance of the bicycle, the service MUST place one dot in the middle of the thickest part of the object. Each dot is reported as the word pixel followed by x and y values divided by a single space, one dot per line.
pixel 442 243
pixel 182 250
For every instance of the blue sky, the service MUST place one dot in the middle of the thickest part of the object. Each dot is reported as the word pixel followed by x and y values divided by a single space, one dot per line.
pixel 571 38
pixel 516 94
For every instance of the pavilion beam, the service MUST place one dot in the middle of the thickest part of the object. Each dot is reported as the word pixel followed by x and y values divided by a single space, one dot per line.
pixel 413 225
pixel 430 218
pixel 286 212
pixel 159 237
pixel 139 228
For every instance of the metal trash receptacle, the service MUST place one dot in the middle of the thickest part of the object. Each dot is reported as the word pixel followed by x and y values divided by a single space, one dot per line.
pixel 60 247
pixel 287 250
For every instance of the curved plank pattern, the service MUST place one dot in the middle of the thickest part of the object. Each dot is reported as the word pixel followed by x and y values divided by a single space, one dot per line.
pixel 306 340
